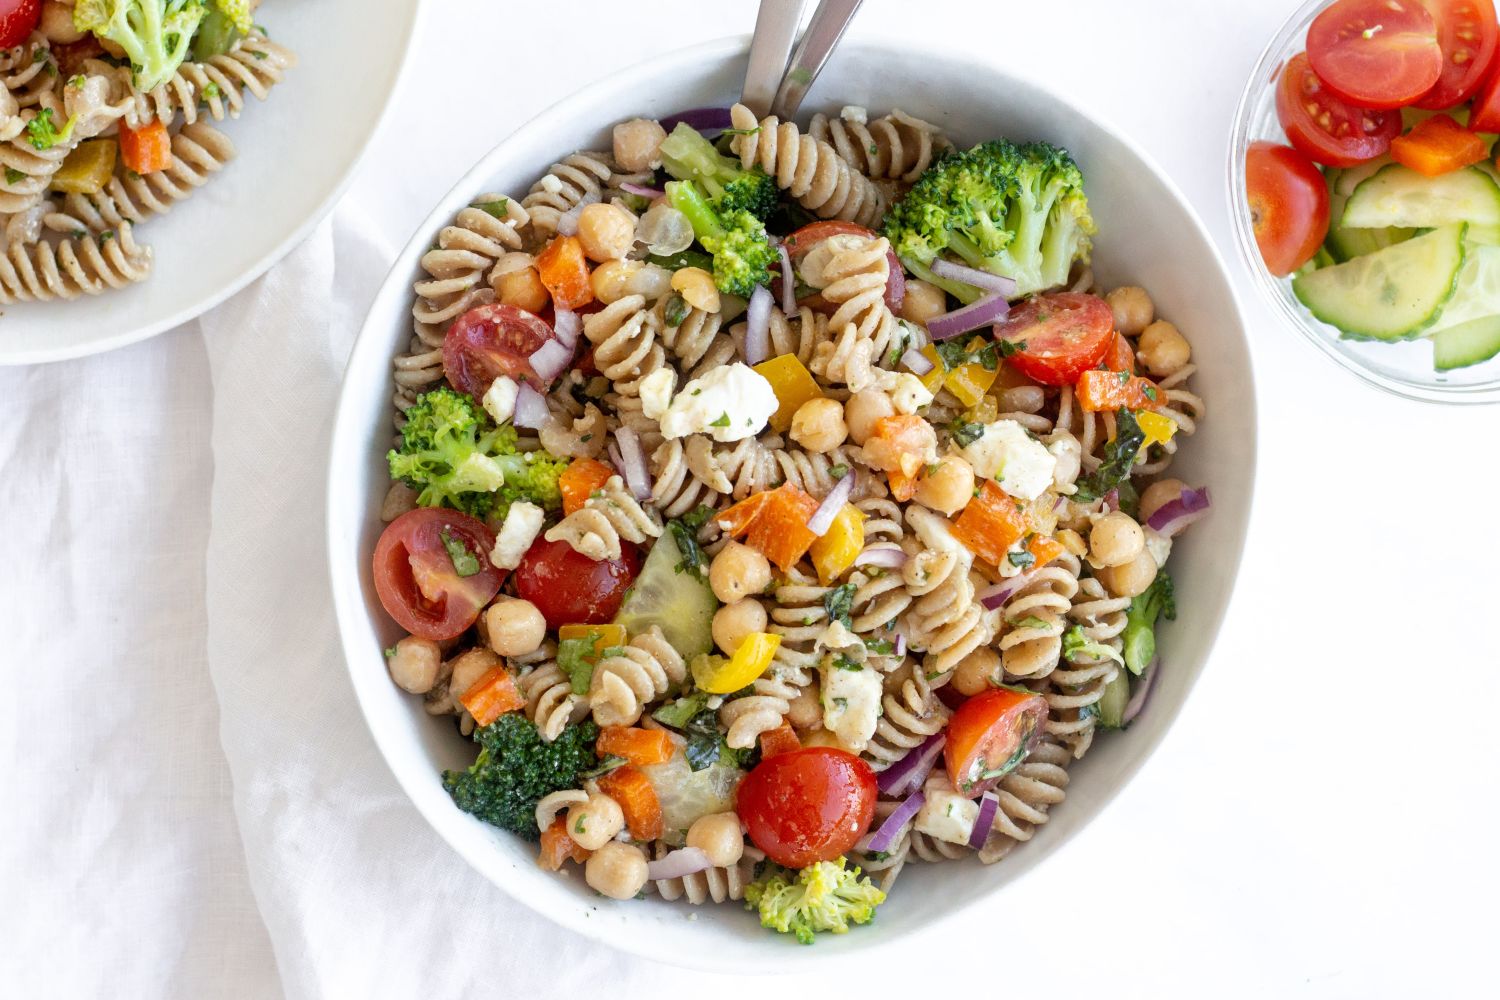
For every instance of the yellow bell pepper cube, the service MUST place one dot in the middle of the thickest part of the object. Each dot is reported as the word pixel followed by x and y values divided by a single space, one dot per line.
pixel 793 385
pixel 717 675
pixel 933 380
pixel 836 551
pixel 604 636
pixel 1158 428
pixel 986 411
pixel 970 382
pixel 88 167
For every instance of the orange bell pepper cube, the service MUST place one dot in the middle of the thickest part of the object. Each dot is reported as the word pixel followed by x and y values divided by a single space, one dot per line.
pixel 1043 549
pixel 902 441
pixel 492 696
pixel 782 739
pixel 903 487
pixel 1101 390
pixel 558 847
pixel 1438 146
pixel 565 272
pixel 1120 357
pixel 991 523
pixel 630 787
pixel 146 149
pixel 638 746
pixel 580 480
pixel 774 523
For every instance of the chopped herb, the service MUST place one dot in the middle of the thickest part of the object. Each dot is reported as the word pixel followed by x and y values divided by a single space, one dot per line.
pixel 1008 347
pixel 106 236
pixel 838 471
pixel 1030 621
pixel 575 657
pixel 580 826
pixel 877 855
pixel 1076 644
pixel 1150 392
pixel 606 765
pixel 697 392
pixel 1021 560
pixel 677 714
pixel 839 602
pixel 686 538
pixel 723 421
pixel 14 176
pixel 390 651
pixel 841 703
pixel 498 208
pixel 1124 377
pixel 676 310
pixel 260 53
pixel 844 663
pixel 965 434
pixel 740 131
pixel 1119 458
pixel 79 234
pixel 880 647
pixel 684 258
pixel 704 741
pixel 955 355
pixel 211 90
pixel 901 347
pixel 465 563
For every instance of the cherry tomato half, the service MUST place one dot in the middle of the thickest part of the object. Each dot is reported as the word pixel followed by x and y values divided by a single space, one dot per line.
pixel 1326 128
pixel 18 19
pixel 1467 34
pixel 1288 205
pixel 417 580
pixel 1059 336
pixel 808 805
pixel 1376 53
pixel 810 235
pixel 989 735
pixel 569 588
pixel 490 341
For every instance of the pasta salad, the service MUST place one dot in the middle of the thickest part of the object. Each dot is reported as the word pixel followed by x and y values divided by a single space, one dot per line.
pixel 777 507
pixel 108 117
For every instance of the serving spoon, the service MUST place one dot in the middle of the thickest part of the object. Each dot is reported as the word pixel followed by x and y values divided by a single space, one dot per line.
pixel 772 85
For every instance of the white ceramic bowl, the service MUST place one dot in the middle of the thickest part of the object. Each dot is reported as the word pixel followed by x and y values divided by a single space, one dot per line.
pixel 1148 235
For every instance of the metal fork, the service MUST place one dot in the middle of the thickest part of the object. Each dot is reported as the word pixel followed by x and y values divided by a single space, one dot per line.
pixel 772 85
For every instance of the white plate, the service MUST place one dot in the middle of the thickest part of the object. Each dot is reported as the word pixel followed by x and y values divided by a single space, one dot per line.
pixel 1148 235
pixel 296 153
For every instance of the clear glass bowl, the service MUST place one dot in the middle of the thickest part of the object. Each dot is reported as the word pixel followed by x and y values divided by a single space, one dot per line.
pixel 1405 368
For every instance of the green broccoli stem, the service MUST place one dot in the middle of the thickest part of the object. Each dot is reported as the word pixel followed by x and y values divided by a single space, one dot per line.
pixel 687 198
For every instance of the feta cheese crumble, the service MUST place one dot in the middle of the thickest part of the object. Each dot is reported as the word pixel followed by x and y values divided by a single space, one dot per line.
pixel 500 400
pixel 730 404
pixel 851 702
pixel 522 523
pixel 1007 454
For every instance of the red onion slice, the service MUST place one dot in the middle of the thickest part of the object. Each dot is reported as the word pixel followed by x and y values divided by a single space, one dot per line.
pixel 683 861
pixel 566 324
pixel 885 837
pixel 822 518
pixel 612 450
pixel 531 407
pixel 1112 500
pixel 886 556
pixel 551 360
pixel 1141 695
pixel 758 326
pixel 1191 505
pixel 996 596
pixel 705 120
pixel 900 649
pixel 989 804
pixel 984 312
pixel 973 276
pixel 641 190
pixel 919 363
pixel 788 281
pixel 637 476
pixel 908 773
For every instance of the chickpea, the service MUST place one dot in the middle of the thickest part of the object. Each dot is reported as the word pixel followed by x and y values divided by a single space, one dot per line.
pixel 863 409
pixel 515 626
pixel 818 425
pixel 523 289
pixel 415 664
pixel 1130 579
pixel 1133 309
pixel 1158 495
pixel 1163 349
pixel 977 672
pixel 610 279
pixel 738 571
pixel 616 870
pixel 637 144
pixel 696 286
pixel 399 499
pixel 57 23
pixel 947 486
pixel 718 836
pixel 594 823
pixel 607 232
pixel 923 302
pixel 734 621
pixel 806 711
pixel 1115 540
pixel 467 668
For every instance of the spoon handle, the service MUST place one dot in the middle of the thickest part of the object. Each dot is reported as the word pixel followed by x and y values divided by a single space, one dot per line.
pixel 775 30
pixel 823 33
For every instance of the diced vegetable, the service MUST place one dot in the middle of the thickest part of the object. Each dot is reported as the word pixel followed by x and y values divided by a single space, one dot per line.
pixel 1111 707
pixel 1477 295
pixel 971 380
pixel 782 739
pixel 146 149
pixel 903 487
pixel 902 441
pixel 793 385
pixel 88 167
pixel 717 675
pixel 1438 146
pixel 1392 294
pixel 603 636
pixel 991 523
pixel 1120 357
pixel 558 847
pixel 1399 196
pixel 630 787
pixel 671 598
pixel 1100 390
pixel 840 545
pixel 1159 429
pixel 565 272
pixel 774 523
pixel 933 377
pixel 637 746
pixel 492 696
pixel 1468 344
pixel 1043 549
pixel 580 480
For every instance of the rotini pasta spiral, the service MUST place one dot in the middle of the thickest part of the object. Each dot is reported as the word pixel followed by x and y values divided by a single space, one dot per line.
pixel 456 266
pixel 1026 795
pixel 1184 408
pixel 880 596
pixel 799 334
pixel 596 528
pixel 1077 686
pixel 944 620
pixel 550 701
pixel 87 266
pixel 712 885
pixel 809 170
pixel 911 712
pixel 641 673
pixel 1031 641
pixel 690 340
pixel 581 177
pixel 798 617
pixel 624 335
pixel 675 489
pixel 895 146
pixel 27 72
pixel 217 85
pixel 852 273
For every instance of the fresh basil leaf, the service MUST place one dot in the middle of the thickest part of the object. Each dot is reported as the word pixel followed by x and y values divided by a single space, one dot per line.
pixel 1075 644
pixel 677 714
pixel 575 657
pixel 1030 621
pixel 839 603
pixel 1119 459
pixel 465 563
pixel 965 434
pixel 676 310
pixel 704 741
pixel 497 208
pixel 1021 560
pixel 608 764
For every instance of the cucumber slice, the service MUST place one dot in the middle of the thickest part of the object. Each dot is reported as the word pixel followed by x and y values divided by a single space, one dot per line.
pixel 1399 196
pixel 1352 177
pixel 1342 242
pixel 1111 706
pixel 680 603
pixel 1478 293
pixel 1469 344
pixel 1391 294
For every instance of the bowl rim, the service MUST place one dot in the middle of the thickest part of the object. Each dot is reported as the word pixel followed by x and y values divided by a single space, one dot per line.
pixel 351 612
pixel 1264 75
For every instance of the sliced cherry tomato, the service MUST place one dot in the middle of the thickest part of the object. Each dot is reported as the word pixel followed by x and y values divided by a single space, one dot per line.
pixel 1467 34
pixel 1288 205
pixel 810 235
pixel 1376 53
pixel 18 19
pixel 989 735
pixel 1059 336
pixel 490 341
pixel 570 588
pixel 416 579
pixel 1322 126
pixel 1484 112
pixel 807 805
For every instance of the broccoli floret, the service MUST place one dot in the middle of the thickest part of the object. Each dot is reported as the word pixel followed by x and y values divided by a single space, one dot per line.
pixel 43 133
pixel 155 34
pixel 742 251
pixel 516 768
pixel 1139 637
pixel 1016 211
pixel 688 156
pixel 226 22
pixel 825 896
pixel 457 457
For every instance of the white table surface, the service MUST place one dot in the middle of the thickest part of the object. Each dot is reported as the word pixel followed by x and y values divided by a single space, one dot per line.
pixel 1321 822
